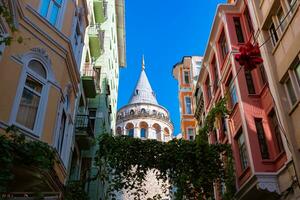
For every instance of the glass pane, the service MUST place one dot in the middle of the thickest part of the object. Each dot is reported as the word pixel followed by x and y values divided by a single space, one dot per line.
pixel 28 109
pixel 33 84
pixel 44 7
pixel 297 70
pixel 291 92
pixel 53 15
pixel 130 133
pixel 143 133
pixel 58 1
pixel 37 67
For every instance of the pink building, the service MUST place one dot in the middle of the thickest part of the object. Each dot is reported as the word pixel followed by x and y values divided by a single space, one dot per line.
pixel 252 127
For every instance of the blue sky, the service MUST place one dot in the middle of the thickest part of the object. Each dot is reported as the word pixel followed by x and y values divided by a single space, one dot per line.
pixel 164 31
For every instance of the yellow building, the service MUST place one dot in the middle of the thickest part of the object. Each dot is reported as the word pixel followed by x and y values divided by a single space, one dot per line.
pixel 39 82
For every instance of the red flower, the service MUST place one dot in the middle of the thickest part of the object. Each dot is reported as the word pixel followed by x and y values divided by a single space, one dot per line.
pixel 249 56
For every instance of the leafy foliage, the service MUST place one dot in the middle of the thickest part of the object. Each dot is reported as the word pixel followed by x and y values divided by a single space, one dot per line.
pixel 5 13
pixel 75 191
pixel 15 150
pixel 190 167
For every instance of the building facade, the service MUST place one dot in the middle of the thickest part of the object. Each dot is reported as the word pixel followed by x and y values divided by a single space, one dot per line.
pixel 186 73
pixel 39 84
pixel 144 118
pixel 277 27
pixel 264 165
pixel 103 54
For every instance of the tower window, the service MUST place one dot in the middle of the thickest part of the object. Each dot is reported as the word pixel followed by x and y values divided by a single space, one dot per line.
pixel 186 77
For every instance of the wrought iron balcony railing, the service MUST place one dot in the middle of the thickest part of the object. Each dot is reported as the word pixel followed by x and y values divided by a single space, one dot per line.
pixel 83 124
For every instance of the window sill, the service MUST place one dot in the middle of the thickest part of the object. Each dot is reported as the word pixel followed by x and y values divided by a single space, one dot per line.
pixel 26 131
pixel 272 161
pixel 258 95
pixel 243 174
pixel 294 107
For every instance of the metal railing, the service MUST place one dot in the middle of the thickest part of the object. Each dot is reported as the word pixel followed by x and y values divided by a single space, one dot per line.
pixel 83 123
pixel 143 114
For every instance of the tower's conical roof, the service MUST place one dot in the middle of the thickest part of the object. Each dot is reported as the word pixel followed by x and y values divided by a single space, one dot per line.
pixel 143 92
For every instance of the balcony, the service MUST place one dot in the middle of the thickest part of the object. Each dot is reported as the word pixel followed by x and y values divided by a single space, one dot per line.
pixel 84 131
pixel 89 79
pixel 100 11
pixel 127 116
pixel 96 41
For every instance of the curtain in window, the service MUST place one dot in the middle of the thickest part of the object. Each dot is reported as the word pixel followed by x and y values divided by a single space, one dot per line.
pixel 28 109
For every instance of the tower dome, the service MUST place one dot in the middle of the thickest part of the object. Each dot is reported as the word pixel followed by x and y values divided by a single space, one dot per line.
pixel 144 118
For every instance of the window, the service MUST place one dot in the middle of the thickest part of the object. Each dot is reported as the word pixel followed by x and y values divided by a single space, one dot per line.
pixel 290 91
pixel 292 4
pixel 92 117
pixel 50 10
pixel 223 125
pixel 190 134
pixel 273 34
pixel 188 105
pixel 281 18
pixel 208 91
pixel 131 132
pixel 276 130
pixel 143 133
pixel 61 135
pixel 261 138
pixel 296 67
pixel 238 29
pixel 233 95
pixel 249 81
pixel 263 74
pixel 31 95
pixel 215 72
pixel 242 150
pixel 131 112
pixel 143 110
pixel 3 35
pixel 223 45
pixel 186 77
pixel 249 21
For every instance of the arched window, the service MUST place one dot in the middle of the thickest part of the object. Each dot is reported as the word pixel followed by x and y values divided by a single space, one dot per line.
pixel 143 110
pixel 130 129
pixel 131 132
pixel 31 95
pixel 131 112
pixel 143 133
pixel 119 131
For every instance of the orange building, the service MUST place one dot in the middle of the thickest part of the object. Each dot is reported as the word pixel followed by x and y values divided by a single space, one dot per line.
pixel 39 83
pixel 186 73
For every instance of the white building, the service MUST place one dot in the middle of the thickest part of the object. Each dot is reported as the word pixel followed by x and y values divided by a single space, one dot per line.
pixel 144 118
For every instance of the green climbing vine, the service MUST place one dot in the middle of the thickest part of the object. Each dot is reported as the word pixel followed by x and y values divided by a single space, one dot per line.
pixel 190 167
pixel 6 14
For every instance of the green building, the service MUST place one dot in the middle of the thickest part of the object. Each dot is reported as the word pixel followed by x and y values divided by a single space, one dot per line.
pixel 104 53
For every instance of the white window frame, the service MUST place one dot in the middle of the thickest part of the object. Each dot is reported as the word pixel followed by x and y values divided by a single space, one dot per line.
pixel 39 121
pixel 188 133
pixel 185 105
pixel 77 49
pixel 64 107
pixel 60 14
pixel 41 56
pixel 189 76
pixel 4 34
